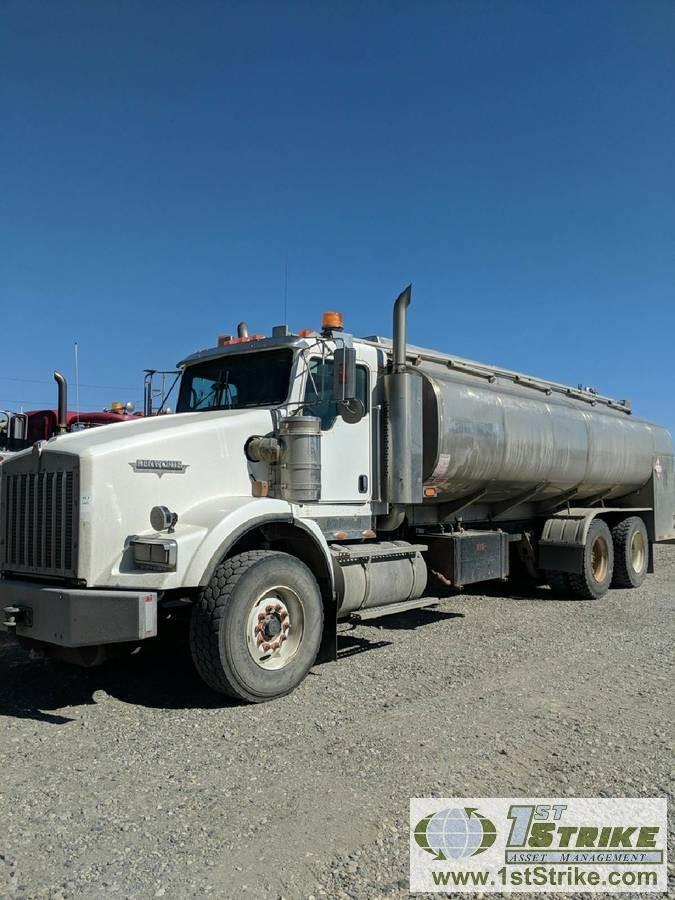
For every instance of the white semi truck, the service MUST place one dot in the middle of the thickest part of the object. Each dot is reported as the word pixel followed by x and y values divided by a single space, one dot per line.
pixel 307 478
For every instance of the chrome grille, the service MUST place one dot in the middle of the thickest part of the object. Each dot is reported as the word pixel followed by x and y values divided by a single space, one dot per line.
pixel 38 525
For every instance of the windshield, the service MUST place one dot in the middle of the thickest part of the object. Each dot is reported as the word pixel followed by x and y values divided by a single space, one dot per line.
pixel 237 381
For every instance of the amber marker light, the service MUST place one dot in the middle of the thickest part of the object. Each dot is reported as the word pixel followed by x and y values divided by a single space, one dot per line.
pixel 332 320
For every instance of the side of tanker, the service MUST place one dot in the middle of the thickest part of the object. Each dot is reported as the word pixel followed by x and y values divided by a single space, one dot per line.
pixel 501 473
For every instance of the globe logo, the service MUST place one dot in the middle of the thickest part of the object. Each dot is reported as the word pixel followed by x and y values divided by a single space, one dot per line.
pixel 455 833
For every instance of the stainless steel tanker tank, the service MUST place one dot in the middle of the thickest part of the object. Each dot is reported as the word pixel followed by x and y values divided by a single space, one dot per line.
pixel 505 433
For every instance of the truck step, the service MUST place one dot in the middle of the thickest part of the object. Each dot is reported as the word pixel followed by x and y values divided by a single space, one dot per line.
pixel 390 609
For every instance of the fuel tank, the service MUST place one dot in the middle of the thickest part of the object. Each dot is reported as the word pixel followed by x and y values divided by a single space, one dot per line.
pixel 502 434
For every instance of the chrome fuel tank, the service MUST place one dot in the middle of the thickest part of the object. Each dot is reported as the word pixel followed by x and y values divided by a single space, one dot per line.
pixel 495 434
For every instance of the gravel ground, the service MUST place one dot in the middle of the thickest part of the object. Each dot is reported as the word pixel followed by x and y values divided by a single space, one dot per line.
pixel 132 780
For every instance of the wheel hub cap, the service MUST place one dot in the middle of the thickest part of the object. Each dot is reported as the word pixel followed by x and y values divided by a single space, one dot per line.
pixel 270 628
pixel 599 559
pixel 274 627
pixel 637 552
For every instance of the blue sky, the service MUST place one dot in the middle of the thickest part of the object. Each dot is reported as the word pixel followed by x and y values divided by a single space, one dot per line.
pixel 160 163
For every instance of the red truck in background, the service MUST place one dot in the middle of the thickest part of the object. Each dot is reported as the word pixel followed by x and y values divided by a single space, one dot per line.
pixel 18 431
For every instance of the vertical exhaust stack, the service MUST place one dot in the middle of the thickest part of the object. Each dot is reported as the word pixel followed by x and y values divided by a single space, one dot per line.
pixel 400 329
pixel 147 392
pixel 62 415
pixel 403 391
pixel 147 406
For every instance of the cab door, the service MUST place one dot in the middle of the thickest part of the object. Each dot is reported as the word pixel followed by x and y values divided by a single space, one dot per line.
pixel 346 465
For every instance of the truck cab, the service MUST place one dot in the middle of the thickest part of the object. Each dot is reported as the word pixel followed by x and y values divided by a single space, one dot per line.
pixel 295 375
pixel 142 516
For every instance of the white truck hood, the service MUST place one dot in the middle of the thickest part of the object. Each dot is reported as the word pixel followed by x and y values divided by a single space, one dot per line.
pixel 138 432
pixel 192 463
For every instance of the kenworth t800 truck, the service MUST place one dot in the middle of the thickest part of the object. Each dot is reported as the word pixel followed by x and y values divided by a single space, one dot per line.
pixel 307 478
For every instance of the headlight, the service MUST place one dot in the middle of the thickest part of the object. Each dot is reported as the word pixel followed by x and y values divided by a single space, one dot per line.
pixel 162 519
pixel 158 554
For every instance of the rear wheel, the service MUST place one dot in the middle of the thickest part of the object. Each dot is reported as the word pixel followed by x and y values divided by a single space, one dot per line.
pixel 631 552
pixel 256 629
pixel 598 565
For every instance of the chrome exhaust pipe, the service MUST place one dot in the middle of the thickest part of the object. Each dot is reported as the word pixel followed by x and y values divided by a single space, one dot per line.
pixel 403 392
pixel 400 326
pixel 62 414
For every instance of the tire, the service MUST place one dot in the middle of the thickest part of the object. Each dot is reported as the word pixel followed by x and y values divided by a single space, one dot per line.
pixel 559 582
pixel 596 577
pixel 631 552
pixel 241 651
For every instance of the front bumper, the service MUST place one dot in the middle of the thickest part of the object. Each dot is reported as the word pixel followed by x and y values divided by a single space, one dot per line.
pixel 70 617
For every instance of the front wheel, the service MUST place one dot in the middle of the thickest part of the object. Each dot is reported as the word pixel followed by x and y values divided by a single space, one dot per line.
pixel 256 628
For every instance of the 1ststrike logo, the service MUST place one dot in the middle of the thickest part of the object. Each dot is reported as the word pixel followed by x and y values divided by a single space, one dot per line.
pixel 455 833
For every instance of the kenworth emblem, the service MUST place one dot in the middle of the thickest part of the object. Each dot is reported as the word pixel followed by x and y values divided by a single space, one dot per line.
pixel 159 466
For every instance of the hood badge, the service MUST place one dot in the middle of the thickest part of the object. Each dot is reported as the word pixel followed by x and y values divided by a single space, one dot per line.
pixel 159 466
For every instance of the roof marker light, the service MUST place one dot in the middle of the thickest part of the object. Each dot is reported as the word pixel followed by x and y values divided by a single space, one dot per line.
pixel 224 340
pixel 332 320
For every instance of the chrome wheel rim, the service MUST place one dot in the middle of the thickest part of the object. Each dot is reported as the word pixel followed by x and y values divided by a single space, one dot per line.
pixel 638 552
pixel 600 559
pixel 274 627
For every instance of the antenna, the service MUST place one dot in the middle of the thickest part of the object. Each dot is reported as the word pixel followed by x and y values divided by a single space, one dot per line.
pixel 77 383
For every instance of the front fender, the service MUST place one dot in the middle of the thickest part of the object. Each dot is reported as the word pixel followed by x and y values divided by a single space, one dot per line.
pixel 225 522
pixel 203 534
pixel 237 527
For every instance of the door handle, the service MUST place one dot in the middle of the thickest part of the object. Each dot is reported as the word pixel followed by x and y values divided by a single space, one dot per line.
pixel 363 484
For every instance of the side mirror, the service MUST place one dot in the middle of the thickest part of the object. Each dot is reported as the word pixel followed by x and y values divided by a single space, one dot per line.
pixel 351 411
pixel 344 374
